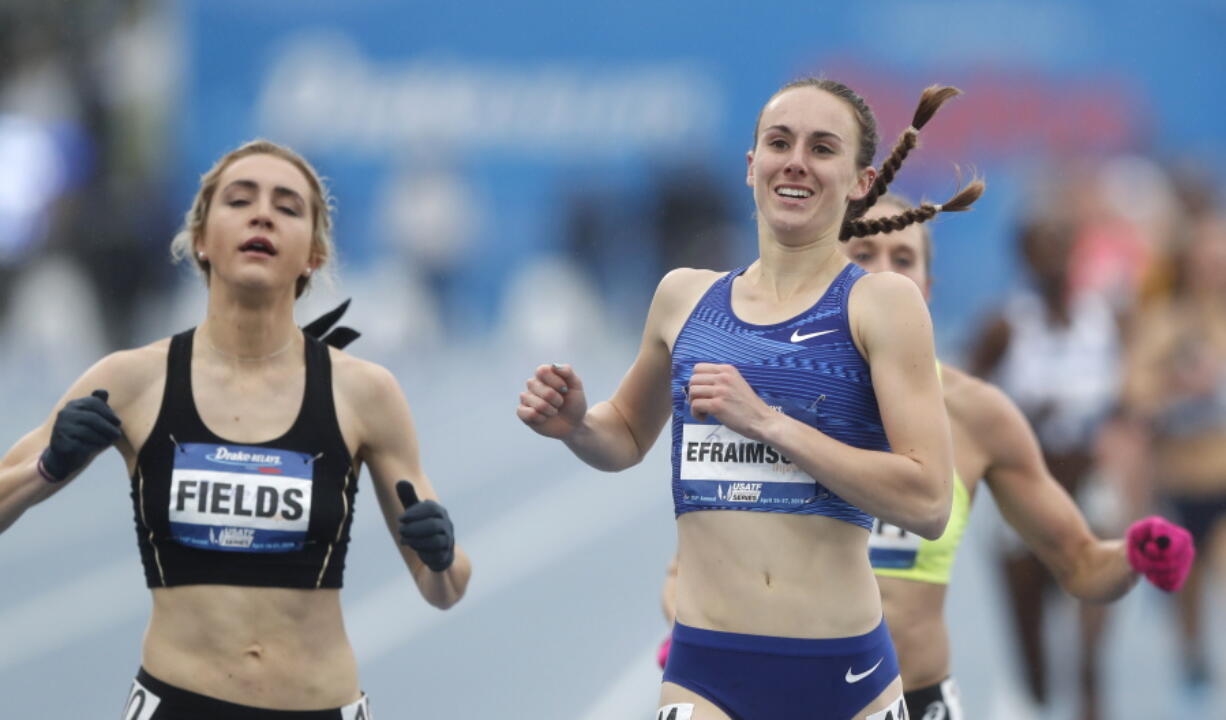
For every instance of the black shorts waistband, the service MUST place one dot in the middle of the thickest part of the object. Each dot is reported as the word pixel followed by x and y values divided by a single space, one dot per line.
pixel 181 704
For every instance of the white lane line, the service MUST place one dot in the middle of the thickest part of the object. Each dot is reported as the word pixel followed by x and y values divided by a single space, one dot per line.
pixel 62 617
pixel 548 526
pixel 636 691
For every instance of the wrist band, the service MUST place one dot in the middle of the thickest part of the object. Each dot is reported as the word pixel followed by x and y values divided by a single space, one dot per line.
pixel 42 470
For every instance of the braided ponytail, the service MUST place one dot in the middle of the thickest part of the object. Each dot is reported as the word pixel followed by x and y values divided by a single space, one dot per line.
pixel 926 211
pixel 931 100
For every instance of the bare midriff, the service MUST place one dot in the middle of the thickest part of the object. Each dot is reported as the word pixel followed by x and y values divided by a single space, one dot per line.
pixel 915 612
pixel 775 574
pixel 274 648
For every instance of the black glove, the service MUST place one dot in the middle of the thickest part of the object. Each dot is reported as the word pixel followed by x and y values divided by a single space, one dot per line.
pixel 83 428
pixel 340 336
pixel 426 527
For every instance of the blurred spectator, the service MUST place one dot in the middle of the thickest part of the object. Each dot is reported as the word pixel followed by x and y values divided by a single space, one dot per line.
pixel 1055 353
pixel 1176 389
pixel 32 176
pixel 83 101
pixel 430 216
pixel 1125 211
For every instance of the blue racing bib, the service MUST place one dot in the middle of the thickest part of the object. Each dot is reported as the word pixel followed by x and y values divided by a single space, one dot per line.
pixel 239 498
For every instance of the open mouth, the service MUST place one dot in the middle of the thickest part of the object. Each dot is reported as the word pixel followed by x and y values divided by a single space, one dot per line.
pixel 258 245
pixel 795 193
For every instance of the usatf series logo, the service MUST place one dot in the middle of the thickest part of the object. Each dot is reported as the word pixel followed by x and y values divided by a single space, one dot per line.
pixel 232 536
pixel 740 492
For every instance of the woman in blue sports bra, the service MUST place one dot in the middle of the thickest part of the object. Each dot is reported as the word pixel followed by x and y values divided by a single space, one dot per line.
pixel 804 402
pixel 244 438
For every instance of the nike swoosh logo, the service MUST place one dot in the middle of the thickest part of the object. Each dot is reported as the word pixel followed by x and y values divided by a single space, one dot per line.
pixel 797 337
pixel 852 678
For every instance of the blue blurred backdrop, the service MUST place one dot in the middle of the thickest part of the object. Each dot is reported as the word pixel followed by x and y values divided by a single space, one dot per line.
pixel 508 177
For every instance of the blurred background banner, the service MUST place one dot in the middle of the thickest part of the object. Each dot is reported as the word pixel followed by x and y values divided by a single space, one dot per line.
pixel 511 180
pixel 475 139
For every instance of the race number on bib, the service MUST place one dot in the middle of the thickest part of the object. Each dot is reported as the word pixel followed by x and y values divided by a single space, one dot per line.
pixel 892 548
pixel 722 467
pixel 239 498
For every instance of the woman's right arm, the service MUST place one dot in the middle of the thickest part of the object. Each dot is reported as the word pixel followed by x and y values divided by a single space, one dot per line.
pixel 21 485
pixel 80 427
pixel 617 433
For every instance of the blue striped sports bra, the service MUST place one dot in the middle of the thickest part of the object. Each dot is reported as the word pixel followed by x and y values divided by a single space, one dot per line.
pixel 807 367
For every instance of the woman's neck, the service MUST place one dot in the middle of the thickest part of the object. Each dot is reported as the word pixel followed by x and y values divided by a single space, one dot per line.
pixel 249 327
pixel 784 270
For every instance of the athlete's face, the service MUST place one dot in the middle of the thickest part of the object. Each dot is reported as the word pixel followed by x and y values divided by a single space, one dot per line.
pixel 803 169
pixel 901 251
pixel 258 231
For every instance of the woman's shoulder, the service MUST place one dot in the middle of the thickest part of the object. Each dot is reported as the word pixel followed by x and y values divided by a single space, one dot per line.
pixel 127 375
pixel 136 364
pixel 967 396
pixel 682 287
pixel 976 404
pixel 683 280
pixel 884 293
pixel 885 283
pixel 676 297
pixel 359 379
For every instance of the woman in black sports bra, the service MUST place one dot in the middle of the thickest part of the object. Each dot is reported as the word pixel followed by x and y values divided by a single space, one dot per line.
pixel 244 438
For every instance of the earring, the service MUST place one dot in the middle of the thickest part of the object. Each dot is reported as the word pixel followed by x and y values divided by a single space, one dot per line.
pixel 308 271
pixel 200 255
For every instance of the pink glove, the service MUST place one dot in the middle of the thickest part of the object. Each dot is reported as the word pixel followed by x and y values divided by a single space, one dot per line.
pixel 662 653
pixel 1160 550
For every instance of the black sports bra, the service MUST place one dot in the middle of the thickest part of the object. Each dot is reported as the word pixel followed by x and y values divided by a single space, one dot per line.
pixel 270 514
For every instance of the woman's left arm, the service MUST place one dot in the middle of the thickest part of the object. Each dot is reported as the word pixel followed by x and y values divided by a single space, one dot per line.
pixel 910 486
pixel 1039 508
pixel 388 447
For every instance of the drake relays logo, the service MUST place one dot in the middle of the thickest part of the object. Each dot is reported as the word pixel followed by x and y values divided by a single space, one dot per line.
pixel 241 457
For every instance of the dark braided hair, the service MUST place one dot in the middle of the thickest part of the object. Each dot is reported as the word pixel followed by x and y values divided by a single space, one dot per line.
pixel 901 204
pixel 930 101
pixel 925 212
